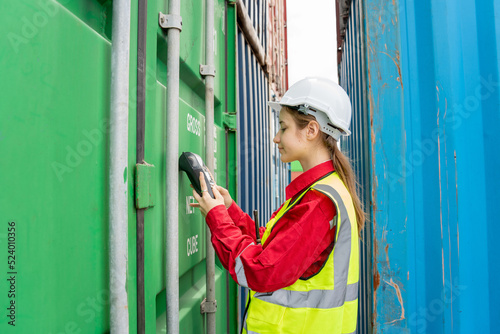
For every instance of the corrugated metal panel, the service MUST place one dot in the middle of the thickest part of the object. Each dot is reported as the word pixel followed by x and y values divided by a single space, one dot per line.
pixel 54 137
pixel 432 78
pixel 357 147
pixel 257 10
pixel 261 175
pixel 259 164
pixel 277 48
pixel 452 80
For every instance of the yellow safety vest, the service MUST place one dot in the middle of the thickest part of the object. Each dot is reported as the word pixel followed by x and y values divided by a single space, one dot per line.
pixel 326 302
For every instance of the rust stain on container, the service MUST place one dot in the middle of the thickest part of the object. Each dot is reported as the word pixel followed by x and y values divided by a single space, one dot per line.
pixel 376 281
pixel 387 256
pixel 400 299
pixel 397 61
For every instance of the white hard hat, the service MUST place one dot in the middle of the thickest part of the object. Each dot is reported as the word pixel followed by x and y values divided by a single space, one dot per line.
pixel 322 98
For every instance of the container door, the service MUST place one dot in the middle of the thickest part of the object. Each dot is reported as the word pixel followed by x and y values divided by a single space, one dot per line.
pixel 192 226
pixel 55 65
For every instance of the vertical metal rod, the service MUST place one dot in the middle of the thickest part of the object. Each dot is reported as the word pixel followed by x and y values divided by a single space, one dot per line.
pixel 228 314
pixel 238 135
pixel 141 129
pixel 257 225
pixel 172 174
pixel 118 188
pixel 228 302
pixel 210 128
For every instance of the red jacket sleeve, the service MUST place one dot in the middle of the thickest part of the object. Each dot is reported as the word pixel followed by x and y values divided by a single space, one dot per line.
pixel 244 222
pixel 295 243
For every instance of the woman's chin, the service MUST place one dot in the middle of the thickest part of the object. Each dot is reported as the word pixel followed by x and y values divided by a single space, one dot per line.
pixel 284 159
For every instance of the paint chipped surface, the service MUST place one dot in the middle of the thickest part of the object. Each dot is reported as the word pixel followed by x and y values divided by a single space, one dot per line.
pixel 385 79
pixel 397 61
pixel 400 299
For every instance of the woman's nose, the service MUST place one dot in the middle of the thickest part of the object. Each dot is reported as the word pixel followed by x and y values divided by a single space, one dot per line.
pixel 276 139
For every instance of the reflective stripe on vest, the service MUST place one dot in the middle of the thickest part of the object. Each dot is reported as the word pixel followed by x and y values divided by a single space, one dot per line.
pixel 240 270
pixel 314 298
pixel 327 302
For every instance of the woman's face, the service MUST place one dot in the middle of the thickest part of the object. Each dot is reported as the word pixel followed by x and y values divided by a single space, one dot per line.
pixel 291 141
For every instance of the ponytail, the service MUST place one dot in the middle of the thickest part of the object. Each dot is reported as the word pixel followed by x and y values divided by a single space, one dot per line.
pixel 340 162
pixel 344 170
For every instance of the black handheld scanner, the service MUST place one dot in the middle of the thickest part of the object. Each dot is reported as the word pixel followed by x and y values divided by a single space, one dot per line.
pixel 192 164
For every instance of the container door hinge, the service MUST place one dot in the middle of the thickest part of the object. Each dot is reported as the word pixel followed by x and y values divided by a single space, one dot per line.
pixel 208 307
pixel 169 21
pixel 230 121
pixel 144 185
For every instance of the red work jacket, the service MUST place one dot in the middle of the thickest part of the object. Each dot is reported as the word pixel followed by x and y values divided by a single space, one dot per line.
pixel 298 245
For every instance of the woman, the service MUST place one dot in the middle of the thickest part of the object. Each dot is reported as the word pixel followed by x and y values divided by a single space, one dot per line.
pixel 304 276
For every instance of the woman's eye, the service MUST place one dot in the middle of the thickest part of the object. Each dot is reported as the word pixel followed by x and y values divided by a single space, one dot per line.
pixel 283 129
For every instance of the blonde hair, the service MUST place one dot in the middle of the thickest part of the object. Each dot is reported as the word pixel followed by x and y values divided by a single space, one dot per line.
pixel 340 162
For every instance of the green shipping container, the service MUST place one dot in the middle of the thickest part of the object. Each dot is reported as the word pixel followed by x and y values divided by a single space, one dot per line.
pixel 55 64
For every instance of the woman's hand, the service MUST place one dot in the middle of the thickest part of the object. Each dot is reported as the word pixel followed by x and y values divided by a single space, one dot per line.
pixel 206 202
pixel 225 194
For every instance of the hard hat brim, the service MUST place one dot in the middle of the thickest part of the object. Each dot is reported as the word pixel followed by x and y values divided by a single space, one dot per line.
pixel 275 105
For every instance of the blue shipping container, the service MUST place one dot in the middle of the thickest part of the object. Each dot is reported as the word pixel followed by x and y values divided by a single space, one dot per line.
pixel 424 80
pixel 261 176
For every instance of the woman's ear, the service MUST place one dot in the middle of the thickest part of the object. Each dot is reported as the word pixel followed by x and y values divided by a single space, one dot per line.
pixel 313 130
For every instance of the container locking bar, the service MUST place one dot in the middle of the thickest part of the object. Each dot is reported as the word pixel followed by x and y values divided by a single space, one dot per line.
pixel 208 307
pixel 169 21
